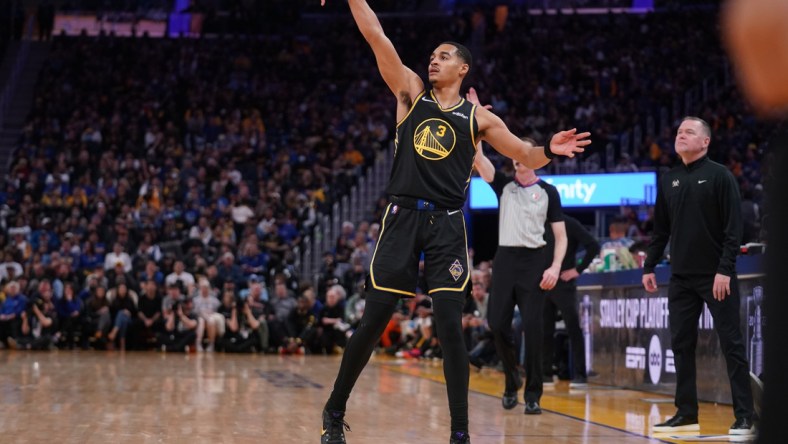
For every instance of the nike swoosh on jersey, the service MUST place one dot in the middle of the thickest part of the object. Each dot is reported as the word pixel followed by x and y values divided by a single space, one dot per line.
pixel 452 212
pixel 701 181
pixel 428 100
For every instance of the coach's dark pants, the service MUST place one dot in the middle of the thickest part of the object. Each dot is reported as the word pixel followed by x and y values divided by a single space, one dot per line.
pixel 564 298
pixel 515 281
pixel 686 296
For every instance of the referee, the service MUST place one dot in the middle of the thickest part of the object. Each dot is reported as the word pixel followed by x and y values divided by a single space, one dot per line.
pixel 519 278
pixel 698 209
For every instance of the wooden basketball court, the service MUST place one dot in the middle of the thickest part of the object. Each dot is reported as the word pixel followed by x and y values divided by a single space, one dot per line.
pixel 148 397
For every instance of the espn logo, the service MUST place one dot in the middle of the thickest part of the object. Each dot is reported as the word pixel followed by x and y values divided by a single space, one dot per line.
pixel 635 358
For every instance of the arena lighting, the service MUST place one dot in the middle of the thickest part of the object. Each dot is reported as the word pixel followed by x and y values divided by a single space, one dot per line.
pixel 582 190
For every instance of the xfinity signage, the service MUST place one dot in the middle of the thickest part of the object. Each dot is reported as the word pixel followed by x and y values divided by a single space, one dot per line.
pixel 582 190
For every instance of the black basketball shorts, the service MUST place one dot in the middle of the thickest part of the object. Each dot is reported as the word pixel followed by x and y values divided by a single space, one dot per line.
pixel 407 233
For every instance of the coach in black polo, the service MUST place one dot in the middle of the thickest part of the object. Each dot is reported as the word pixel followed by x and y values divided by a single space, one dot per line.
pixel 699 210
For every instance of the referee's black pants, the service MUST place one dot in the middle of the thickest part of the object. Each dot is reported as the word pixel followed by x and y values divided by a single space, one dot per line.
pixel 686 296
pixel 517 272
pixel 564 298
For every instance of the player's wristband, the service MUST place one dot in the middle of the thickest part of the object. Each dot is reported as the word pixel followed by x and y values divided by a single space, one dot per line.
pixel 547 153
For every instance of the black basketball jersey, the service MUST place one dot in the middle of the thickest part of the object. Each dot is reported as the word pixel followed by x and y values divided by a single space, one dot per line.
pixel 434 151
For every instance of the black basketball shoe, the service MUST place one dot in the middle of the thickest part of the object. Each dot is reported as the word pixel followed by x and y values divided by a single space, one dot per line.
pixel 678 423
pixel 334 427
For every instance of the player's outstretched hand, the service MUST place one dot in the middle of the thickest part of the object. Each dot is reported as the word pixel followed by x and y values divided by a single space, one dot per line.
pixel 472 97
pixel 567 143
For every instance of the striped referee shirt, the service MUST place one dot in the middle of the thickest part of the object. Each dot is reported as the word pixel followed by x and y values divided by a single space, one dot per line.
pixel 524 210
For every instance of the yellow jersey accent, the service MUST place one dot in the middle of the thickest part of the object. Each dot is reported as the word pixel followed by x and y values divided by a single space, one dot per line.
pixel 472 119
pixel 432 94
pixel 429 134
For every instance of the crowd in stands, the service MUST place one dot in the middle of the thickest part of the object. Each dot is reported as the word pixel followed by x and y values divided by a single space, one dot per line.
pixel 143 156
pixel 161 188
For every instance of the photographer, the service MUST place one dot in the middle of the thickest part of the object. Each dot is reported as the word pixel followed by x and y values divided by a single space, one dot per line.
pixel 39 321
pixel 173 296
pixel 180 327
pixel 243 328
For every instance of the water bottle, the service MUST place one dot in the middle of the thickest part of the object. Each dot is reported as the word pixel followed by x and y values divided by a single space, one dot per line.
pixel 585 324
pixel 756 342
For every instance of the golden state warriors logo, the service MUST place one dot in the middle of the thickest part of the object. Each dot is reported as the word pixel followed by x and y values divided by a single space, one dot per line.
pixel 434 139
pixel 456 269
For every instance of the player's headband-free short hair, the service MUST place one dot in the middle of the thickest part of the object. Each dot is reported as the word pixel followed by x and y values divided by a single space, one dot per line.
pixel 462 52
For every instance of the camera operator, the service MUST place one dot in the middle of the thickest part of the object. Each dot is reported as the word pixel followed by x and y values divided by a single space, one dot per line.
pixel 180 327
pixel 39 321
pixel 243 328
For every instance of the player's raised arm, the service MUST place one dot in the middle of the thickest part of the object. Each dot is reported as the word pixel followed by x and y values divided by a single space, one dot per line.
pixel 401 80
pixel 494 131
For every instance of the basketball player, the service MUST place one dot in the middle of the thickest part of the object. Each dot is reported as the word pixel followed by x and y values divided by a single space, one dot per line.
pixel 436 135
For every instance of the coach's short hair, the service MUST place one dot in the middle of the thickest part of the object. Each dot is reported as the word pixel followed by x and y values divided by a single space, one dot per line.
pixel 706 126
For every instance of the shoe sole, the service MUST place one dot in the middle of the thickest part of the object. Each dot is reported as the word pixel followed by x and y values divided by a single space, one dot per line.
pixel 535 412
pixel 684 428
pixel 742 432
pixel 578 385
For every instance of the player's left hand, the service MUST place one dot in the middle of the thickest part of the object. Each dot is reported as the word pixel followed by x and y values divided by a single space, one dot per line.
pixel 567 143
pixel 549 278
pixel 473 97
pixel 722 286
